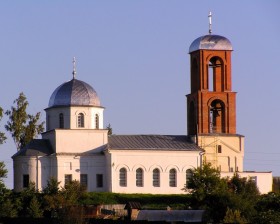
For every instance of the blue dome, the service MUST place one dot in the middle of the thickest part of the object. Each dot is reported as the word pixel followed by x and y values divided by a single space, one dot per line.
pixel 210 42
pixel 74 93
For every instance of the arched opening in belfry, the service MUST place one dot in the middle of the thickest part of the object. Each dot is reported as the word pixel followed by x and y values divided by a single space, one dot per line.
pixel 217 117
pixel 192 119
pixel 194 76
pixel 215 74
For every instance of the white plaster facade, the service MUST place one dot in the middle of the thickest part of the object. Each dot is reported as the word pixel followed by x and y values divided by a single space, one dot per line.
pixel 77 149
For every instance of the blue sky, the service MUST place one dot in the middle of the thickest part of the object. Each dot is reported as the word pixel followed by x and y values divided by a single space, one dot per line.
pixel 135 55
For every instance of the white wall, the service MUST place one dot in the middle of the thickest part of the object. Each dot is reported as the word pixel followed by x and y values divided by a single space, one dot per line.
pixel 71 117
pixel 76 140
pixel 232 154
pixel 263 179
pixel 38 169
pixel 149 160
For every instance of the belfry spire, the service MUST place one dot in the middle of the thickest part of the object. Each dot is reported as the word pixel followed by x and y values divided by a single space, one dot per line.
pixel 210 22
pixel 74 68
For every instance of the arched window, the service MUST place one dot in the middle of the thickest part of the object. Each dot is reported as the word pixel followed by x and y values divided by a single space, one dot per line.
pixel 123 177
pixel 188 176
pixel 217 117
pixel 81 120
pixel 172 178
pixel 156 177
pixel 97 121
pixel 215 76
pixel 139 177
pixel 61 120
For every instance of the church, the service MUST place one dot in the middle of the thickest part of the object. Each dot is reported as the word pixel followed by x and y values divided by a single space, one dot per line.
pixel 76 146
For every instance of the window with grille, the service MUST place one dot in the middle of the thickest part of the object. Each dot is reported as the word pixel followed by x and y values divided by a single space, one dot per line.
pixel 139 177
pixel 172 178
pixel 67 178
pixel 156 178
pixel 97 121
pixel 123 177
pixel 84 180
pixel 188 176
pixel 81 120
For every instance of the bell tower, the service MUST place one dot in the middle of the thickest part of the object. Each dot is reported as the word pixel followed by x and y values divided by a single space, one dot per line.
pixel 211 105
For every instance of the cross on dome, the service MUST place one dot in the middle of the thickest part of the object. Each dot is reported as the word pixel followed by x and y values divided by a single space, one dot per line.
pixel 210 22
pixel 74 68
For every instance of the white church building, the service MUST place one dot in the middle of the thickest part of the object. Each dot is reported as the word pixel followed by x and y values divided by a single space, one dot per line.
pixel 76 146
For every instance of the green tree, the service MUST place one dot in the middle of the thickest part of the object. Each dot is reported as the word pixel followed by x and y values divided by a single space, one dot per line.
pixel 222 198
pixel 31 201
pixel 23 126
pixel 3 171
pixel 204 181
pixel 9 204
pixel 234 216
pixel 72 210
pixel 268 209
pixel 2 134
pixel 52 187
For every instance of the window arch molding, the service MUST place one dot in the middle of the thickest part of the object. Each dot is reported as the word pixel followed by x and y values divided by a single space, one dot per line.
pixel 135 167
pixel 172 167
pixel 151 168
pixel 185 168
pixel 119 166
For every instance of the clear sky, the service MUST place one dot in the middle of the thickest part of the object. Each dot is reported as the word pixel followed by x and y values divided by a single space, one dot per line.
pixel 135 55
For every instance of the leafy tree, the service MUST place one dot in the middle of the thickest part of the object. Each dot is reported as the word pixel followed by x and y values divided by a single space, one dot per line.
pixel 23 126
pixel 204 181
pixel 242 186
pixel 222 198
pixel 234 216
pixel 3 171
pixel 2 134
pixel 268 209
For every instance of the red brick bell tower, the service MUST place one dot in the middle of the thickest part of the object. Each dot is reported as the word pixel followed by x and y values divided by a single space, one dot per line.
pixel 211 104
